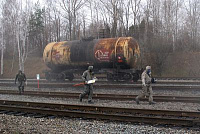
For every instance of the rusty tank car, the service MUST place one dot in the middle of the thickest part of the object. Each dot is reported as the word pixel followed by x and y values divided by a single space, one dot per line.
pixel 117 57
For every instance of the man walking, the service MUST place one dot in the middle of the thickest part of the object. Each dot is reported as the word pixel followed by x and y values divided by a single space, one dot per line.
pixel 87 76
pixel 20 79
pixel 146 86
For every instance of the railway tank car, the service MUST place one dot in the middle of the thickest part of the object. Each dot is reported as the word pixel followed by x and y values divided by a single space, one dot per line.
pixel 117 57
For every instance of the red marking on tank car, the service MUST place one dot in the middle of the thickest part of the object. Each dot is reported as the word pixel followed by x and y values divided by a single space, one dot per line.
pixel 102 55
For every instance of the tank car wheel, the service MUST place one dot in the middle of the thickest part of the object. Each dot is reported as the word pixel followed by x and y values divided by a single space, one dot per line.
pixel 48 76
pixel 71 77
pixel 135 77
pixel 109 77
pixel 60 77
pixel 127 76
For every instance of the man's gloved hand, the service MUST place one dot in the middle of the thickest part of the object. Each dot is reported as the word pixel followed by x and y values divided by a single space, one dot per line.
pixel 153 80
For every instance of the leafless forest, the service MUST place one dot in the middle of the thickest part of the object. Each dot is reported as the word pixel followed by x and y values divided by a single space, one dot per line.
pixel 162 27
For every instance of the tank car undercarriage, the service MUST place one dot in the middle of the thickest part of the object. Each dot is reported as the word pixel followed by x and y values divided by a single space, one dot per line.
pixel 111 75
pixel 123 75
pixel 61 76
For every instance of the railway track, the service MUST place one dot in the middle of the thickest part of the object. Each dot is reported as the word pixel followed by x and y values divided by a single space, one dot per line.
pixel 159 80
pixel 107 86
pixel 177 118
pixel 117 97
pixel 103 77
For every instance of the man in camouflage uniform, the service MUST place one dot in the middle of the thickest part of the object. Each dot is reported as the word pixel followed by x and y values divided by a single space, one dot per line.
pixel 146 86
pixel 20 79
pixel 87 75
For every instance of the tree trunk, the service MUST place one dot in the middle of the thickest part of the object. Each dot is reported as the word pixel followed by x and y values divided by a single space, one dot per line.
pixel 2 49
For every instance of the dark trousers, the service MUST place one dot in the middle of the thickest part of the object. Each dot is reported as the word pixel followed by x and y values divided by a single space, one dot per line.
pixel 88 91
pixel 21 86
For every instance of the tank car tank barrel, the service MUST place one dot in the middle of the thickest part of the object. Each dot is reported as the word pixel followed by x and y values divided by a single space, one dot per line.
pixel 101 53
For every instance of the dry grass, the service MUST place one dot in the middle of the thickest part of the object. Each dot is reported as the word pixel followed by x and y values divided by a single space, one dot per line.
pixel 33 66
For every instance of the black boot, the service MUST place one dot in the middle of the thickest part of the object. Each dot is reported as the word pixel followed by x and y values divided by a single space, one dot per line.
pixel 90 102
pixel 151 103
pixel 19 90
pixel 137 101
pixel 80 98
pixel 22 89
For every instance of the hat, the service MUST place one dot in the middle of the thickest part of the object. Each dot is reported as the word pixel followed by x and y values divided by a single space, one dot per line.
pixel 148 67
pixel 90 67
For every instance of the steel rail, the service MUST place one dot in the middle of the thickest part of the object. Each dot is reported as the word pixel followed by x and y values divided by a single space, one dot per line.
pixel 109 113
pixel 104 81
pixel 117 97
pixel 104 78
pixel 110 86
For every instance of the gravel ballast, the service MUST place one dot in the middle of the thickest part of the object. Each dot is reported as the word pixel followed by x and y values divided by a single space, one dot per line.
pixel 21 124
pixel 29 125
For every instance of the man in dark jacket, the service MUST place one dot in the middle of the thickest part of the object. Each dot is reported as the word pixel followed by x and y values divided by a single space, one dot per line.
pixel 20 79
pixel 87 76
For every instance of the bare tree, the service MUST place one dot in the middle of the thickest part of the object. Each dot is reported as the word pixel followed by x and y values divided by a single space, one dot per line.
pixel 90 4
pixel 124 17
pixel 112 7
pixel 2 49
pixel 21 34
pixel 48 20
pixel 136 6
pixel 177 18
pixel 159 30
pixel 192 22
pixel 9 14
pixel 2 43
pixel 71 7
